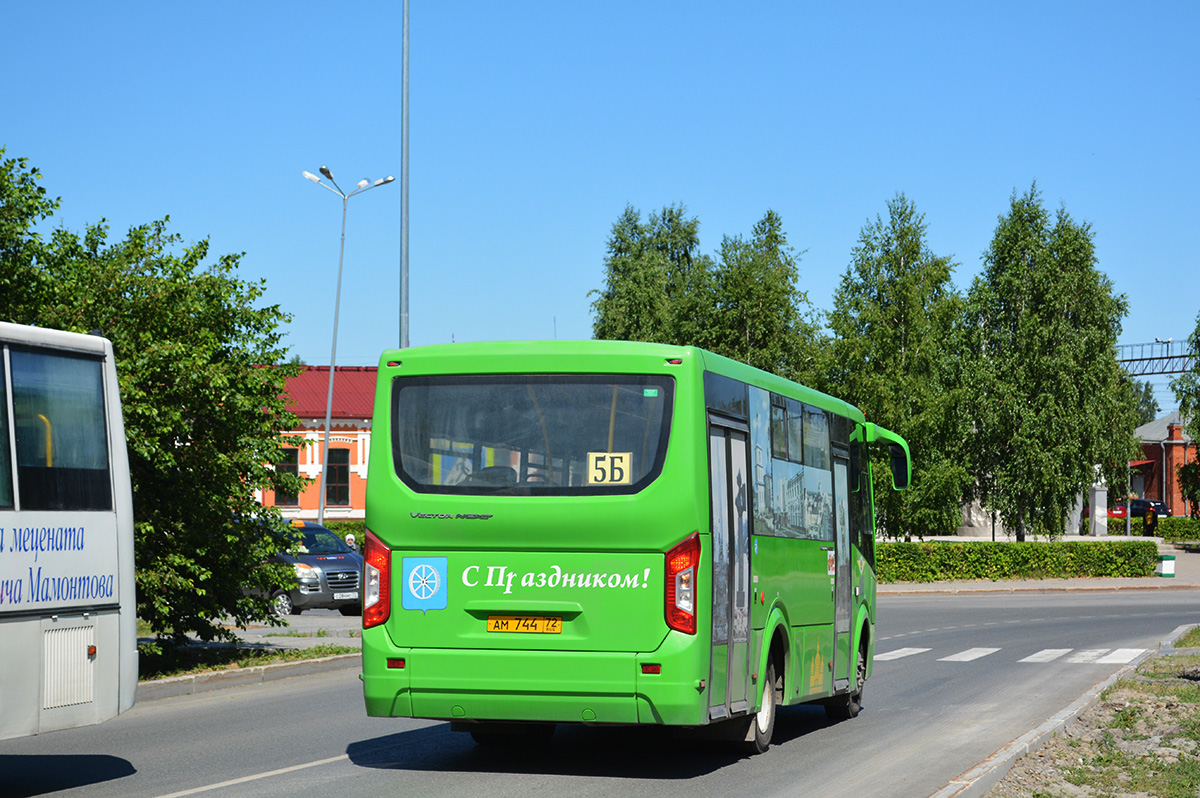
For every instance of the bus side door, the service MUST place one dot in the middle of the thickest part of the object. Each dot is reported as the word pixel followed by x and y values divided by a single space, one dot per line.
pixel 730 506
pixel 843 577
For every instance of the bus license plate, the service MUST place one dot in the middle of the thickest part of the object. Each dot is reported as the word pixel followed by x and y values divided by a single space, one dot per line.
pixel 537 624
pixel 340 596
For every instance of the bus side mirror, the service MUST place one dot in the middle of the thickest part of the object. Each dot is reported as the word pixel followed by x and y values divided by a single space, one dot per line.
pixel 901 477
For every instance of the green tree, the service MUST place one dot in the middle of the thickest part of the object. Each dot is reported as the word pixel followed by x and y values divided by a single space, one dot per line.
pixel 1147 406
pixel 760 316
pixel 657 285
pixel 202 416
pixel 1187 393
pixel 23 204
pixel 895 321
pixel 1049 401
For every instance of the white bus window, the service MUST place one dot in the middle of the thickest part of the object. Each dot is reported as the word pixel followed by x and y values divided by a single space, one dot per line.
pixel 62 447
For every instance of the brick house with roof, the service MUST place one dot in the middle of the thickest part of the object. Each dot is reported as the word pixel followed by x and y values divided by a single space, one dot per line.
pixel 1165 447
pixel 349 442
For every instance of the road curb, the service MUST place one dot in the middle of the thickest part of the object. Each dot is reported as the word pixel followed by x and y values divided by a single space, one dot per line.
pixel 220 680
pixel 929 591
pixel 979 780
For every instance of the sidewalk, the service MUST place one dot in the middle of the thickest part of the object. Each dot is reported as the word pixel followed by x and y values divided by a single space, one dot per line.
pixel 1187 577
pixel 311 629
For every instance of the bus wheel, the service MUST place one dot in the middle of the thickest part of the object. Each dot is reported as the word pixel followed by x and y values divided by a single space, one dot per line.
pixel 762 724
pixel 844 707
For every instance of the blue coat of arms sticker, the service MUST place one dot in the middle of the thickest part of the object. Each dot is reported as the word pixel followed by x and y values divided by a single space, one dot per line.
pixel 424 583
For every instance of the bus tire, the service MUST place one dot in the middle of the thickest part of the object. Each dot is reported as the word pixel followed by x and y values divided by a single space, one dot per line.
pixel 848 705
pixel 762 723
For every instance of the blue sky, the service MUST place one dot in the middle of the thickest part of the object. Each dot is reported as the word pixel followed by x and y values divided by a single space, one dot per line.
pixel 532 125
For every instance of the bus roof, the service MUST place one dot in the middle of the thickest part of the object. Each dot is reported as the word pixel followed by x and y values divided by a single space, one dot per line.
pixel 592 356
pixel 42 336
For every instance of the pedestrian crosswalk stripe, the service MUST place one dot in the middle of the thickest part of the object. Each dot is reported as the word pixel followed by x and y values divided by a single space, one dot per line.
pixel 1120 656
pixel 1095 656
pixel 901 652
pixel 969 654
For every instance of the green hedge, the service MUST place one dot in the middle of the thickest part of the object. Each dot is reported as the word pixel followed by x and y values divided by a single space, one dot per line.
pixel 937 561
pixel 1172 529
pixel 1183 528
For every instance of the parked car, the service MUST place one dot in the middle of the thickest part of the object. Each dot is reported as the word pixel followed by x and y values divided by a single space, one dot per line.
pixel 1114 511
pixel 328 573
pixel 1138 507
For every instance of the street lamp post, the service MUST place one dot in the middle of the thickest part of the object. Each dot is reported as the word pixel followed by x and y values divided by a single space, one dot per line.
pixel 363 185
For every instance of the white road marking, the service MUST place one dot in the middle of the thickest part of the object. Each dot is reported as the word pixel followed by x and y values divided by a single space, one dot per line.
pixel 1120 656
pixel 1097 656
pixel 969 654
pixel 1046 655
pixel 256 777
pixel 900 652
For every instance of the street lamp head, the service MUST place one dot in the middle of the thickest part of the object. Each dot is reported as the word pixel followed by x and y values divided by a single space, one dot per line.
pixel 364 183
pixel 325 171
pixel 383 180
pixel 311 176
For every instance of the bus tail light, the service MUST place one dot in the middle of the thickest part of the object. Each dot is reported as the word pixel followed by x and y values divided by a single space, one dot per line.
pixel 683 563
pixel 377 582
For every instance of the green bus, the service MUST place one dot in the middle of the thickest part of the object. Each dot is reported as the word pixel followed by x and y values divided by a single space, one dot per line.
pixel 608 532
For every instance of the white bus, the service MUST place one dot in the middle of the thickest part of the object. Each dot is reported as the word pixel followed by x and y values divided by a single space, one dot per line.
pixel 68 626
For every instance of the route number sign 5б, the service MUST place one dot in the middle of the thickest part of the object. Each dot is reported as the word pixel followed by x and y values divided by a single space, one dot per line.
pixel 609 468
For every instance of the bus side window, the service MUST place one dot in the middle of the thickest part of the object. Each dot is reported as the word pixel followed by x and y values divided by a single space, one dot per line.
pixel 860 503
pixel 61 433
pixel 795 427
pixel 779 433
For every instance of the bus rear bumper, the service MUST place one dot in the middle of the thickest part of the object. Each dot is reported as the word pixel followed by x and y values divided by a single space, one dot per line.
pixel 559 687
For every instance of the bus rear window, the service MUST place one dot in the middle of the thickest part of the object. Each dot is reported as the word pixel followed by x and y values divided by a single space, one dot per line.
pixel 530 435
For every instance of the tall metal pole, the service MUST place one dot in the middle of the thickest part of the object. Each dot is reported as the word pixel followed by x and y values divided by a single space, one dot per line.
pixel 337 304
pixel 404 188
pixel 363 185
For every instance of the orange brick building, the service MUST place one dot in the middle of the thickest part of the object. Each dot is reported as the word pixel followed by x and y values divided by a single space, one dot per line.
pixel 349 442
pixel 1165 447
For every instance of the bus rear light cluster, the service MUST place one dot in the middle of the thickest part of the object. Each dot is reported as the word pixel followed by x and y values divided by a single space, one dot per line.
pixel 683 563
pixel 377 582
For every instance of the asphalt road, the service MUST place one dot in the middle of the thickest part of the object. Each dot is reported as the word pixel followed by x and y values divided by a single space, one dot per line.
pixel 949 688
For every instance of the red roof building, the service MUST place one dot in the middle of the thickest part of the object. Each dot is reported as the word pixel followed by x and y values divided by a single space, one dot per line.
pixel 1165 447
pixel 349 442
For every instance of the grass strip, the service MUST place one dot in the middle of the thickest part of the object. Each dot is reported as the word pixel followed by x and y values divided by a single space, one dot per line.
pixel 191 660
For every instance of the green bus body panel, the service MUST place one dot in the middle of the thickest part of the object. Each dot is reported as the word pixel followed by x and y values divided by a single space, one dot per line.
pixel 489 684
pixel 597 562
pixel 604 607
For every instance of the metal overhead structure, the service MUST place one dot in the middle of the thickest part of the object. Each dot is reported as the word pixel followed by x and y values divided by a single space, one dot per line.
pixel 1161 357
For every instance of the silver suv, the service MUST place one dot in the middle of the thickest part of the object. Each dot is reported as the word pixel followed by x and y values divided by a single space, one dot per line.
pixel 328 573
